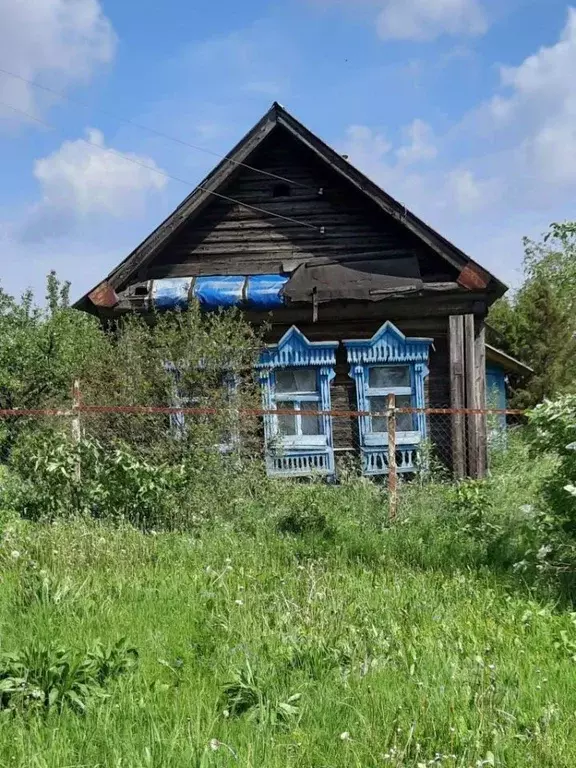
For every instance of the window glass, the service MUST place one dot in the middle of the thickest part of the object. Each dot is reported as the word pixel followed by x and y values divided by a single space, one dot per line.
pixel 287 422
pixel 404 421
pixel 310 424
pixel 379 423
pixel 296 380
pixel 389 377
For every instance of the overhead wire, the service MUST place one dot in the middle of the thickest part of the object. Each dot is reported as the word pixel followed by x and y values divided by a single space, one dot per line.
pixel 153 131
pixel 167 175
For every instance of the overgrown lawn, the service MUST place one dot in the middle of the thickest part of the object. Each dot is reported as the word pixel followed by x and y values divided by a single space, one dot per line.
pixel 339 642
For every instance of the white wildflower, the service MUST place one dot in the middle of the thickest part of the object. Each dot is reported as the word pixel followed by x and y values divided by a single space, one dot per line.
pixel 239 602
pixel 15 554
pixel 345 736
pixel 214 745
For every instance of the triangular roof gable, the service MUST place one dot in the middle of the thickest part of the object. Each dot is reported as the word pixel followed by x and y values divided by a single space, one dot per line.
pixel 388 344
pixel 294 349
pixel 471 274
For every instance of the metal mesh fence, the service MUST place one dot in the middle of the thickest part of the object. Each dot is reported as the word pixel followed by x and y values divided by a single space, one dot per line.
pixel 387 445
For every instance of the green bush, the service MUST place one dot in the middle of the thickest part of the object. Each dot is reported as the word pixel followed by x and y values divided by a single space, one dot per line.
pixel 554 430
pixel 60 478
pixel 41 677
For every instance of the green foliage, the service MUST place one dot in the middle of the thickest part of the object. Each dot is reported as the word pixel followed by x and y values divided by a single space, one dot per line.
pixel 42 350
pixel 538 324
pixel 554 430
pixel 60 478
pixel 41 677
pixel 245 695
pixel 424 653
pixel 472 507
pixel 181 357
pixel 310 518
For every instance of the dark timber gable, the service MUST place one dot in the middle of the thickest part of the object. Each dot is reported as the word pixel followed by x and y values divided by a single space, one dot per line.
pixel 229 238
pixel 348 216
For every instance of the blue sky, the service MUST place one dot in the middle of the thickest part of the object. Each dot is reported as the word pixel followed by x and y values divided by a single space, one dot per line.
pixel 465 110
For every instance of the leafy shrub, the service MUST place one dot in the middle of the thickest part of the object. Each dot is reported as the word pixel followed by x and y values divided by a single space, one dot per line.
pixel 42 677
pixel 554 430
pixel 471 503
pixel 308 519
pixel 8 485
pixel 245 695
pixel 61 478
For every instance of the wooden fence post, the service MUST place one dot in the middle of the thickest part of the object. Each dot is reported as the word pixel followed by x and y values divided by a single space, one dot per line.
pixel 392 468
pixel 457 395
pixel 76 425
pixel 76 401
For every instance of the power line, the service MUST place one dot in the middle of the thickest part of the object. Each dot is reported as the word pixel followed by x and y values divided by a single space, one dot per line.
pixel 168 175
pixel 153 131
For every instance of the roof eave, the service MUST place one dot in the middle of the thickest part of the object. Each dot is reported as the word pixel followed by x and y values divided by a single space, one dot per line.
pixel 507 362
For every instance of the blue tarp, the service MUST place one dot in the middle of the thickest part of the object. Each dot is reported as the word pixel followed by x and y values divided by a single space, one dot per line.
pixel 220 291
pixel 264 291
pixel 259 292
pixel 171 293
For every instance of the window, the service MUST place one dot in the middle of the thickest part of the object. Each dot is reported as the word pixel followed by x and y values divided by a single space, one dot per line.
pixel 295 377
pixel 390 380
pixel 297 390
pixel 389 363
pixel 185 394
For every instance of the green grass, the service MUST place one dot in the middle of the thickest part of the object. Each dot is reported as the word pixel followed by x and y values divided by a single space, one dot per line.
pixel 350 644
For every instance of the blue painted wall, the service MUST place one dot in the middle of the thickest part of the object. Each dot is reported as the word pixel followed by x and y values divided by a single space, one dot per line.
pixel 496 387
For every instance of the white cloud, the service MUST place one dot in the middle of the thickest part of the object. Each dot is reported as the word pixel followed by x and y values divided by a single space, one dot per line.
pixel 59 42
pixel 469 193
pixel 80 180
pixel 421 144
pixel 364 146
pixel 431 191
pixel 540 112
pixel 428 19
pixel 419 19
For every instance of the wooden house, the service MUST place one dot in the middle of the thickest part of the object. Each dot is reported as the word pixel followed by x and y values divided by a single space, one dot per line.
pixel 363 299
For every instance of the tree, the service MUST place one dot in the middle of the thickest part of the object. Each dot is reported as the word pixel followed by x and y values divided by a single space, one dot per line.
pixel 129 363
pixel 537 324
pixel 42 349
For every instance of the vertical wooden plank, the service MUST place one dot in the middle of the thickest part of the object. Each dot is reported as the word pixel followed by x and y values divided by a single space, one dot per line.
pixel 392 468
pixel 471 394
pixel 76 402
pixel 457 394
pixel 481 420
pixel 76 425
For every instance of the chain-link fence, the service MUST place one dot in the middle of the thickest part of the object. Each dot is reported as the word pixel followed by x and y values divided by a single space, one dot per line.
pixel 389 445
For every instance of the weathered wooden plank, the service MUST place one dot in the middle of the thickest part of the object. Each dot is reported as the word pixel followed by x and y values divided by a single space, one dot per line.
pixel 225 231
pixel 471 395
pixel 457 394
pixel 254 223
pixel 481 421
pixel 218 240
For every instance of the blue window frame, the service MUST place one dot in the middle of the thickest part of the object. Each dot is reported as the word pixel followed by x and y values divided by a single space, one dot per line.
pixel 295 377
pixel 389 363
pixel 182 396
